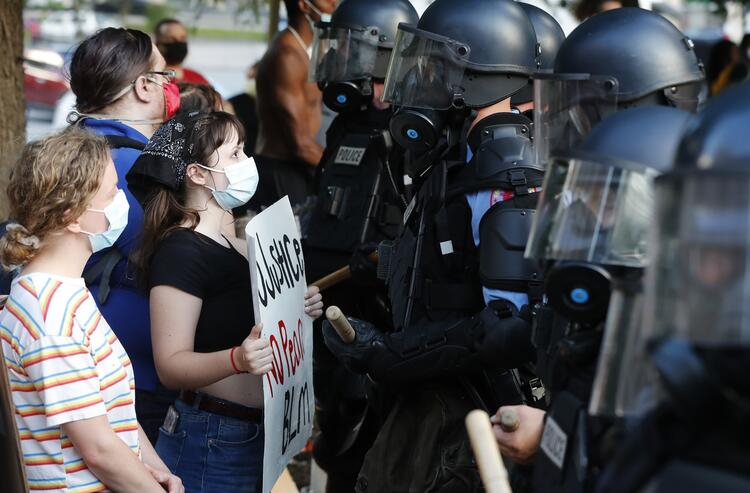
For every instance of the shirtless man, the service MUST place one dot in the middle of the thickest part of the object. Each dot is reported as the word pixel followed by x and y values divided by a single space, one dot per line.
pixel 289 109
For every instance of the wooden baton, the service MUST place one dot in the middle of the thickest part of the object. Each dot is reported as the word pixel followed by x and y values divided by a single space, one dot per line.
pixel 340 275
pixel 491 467
pixel 340 324
pixel 509 420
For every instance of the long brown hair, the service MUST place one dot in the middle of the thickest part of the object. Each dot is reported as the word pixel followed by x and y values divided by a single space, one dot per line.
pixel 50 185
pixel 166 210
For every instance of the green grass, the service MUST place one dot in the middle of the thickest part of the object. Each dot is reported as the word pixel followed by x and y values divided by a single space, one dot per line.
pixel 228 34
pixel 211 33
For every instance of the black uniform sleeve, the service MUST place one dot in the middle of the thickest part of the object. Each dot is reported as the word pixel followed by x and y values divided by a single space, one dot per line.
pixel 179 263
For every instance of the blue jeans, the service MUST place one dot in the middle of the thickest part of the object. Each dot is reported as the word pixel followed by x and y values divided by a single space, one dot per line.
pixel 151 407
pixel 212 453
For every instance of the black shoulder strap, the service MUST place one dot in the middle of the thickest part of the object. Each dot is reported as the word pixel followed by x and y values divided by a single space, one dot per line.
pixel 120 141
pixel 520 180
pixel 102 270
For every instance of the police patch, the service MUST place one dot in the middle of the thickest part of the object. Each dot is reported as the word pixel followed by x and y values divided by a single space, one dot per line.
pixel 554 442
pixel 351 156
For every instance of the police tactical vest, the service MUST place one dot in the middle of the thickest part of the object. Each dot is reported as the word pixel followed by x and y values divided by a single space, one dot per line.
pixel 433 270
pixel 356 202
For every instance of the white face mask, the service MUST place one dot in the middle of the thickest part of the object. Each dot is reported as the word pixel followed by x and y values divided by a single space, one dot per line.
pixel 323 17
pixel 243 182
pixel 117 217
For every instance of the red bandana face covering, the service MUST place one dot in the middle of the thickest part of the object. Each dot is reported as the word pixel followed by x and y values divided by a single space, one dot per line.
pixel 171 99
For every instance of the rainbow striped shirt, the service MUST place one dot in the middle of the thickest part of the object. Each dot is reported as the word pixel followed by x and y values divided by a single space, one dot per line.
pixel 64 364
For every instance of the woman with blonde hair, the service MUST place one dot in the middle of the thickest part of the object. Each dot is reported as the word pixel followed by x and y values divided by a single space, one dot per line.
pixel 71 380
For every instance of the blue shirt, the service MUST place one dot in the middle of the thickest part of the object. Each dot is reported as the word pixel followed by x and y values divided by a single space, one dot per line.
pixel 479 203
pixel 127 308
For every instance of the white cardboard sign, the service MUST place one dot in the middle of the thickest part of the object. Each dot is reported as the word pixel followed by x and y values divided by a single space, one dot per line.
pixel 277 271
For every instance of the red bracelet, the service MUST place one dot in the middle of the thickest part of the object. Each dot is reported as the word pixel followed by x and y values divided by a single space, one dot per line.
pixel 231 360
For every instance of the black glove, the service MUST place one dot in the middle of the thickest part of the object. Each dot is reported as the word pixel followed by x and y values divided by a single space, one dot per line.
pixel 358 355
pixel 364 271
pixel 505 336
pixel 435 349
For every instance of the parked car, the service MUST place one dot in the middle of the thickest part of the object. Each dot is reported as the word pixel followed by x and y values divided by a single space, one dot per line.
pixel 43 77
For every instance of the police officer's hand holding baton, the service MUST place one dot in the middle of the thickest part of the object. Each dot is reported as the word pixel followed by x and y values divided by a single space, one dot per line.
pixel 491 467
pixel 518 431
pixel 341 324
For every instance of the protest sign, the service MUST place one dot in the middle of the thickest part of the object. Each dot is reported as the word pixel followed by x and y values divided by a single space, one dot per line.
pixel 277 271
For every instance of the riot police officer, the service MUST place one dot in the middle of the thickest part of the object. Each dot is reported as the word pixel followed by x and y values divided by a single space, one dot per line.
pixel 592 228
pixel 458 284
pixel 684 372
pixel 622 71
pixel 359 203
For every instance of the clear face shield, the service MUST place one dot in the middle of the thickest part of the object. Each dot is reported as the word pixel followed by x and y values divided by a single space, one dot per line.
pixel 593 213
pixel 624 316
pixel 697 288
pixel 341 54
pixel 567 107
pixel 426 71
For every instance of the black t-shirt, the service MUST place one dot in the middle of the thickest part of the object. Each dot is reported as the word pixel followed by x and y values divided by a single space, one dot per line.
pixel 220 276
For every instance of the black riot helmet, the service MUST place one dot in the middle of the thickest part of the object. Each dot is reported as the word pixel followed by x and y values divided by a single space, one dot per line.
pixel 353 49
pixel 616 59
pixel 652 61
pixel 597 205
pixel 697 284
pixel 549 36
pixel 461 55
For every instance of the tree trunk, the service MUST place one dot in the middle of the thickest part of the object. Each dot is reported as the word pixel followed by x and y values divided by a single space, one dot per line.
pixel 273 18
pixel 12 136
pixel 12 109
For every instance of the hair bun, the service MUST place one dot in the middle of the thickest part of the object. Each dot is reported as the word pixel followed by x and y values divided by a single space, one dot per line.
pixel 18 246
pixel 23 236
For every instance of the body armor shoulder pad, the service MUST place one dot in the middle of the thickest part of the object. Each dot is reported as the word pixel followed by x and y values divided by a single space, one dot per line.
pixel 503 234
pixel 505 159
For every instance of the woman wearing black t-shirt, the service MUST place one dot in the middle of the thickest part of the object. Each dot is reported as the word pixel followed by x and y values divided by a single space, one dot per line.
pixel 191 173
